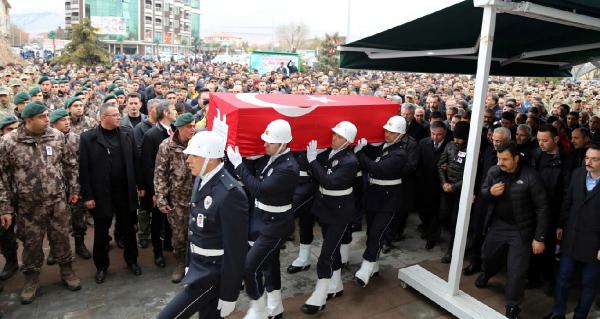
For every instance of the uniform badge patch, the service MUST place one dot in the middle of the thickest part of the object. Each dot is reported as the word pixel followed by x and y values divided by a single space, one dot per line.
pixel 334 163
pixel 378 159
pixel 49 150
pixel 329 171
pixel 207 202
pixel 270 172
pixel 200 220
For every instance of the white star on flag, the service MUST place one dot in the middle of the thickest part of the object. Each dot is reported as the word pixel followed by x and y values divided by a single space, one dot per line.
pixel 321 99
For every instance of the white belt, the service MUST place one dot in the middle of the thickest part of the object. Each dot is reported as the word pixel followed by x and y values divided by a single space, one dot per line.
pixel 385 182
pixel 206 252
pixel 359 174
pixel 303 173
pixel 272 209
pixel 342 192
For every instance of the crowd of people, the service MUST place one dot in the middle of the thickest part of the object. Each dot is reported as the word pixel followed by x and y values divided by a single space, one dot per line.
pixel 127 144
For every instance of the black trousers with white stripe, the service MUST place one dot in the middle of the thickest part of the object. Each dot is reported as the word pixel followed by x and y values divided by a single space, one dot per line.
pixel 330 259
pixel 263 260
pixel 378 224
pixel 201 297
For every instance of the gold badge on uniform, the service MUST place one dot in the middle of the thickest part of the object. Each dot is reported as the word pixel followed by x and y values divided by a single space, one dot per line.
pixel 207 202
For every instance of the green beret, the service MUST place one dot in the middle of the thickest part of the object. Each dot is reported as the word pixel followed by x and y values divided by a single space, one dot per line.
pixel 43 79
pixel 119 92
pixel 35 90
pixel 57 115
pixel 71 100
pixel 109 97
pixel 86 82
pixel 33 109
pixel 53 81
pixel 184 119
pixel 111 87
pixel 21 97
pixel 78 93
pixel 7 120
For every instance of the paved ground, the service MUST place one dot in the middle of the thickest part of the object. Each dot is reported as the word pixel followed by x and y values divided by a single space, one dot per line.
pixel 126 296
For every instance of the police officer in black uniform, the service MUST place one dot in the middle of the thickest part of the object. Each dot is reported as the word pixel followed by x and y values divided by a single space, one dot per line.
pixel 334 170
pixel 218 231
pixel 302 206
pixel 383 193
pixel 272 217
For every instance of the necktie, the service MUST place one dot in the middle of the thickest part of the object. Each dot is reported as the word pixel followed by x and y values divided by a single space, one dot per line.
pixel 436 146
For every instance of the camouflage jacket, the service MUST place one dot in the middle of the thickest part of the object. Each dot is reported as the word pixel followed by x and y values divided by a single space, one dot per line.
pixel 35 168
pixel 8 109
pixel 173 180
pixel 92 108
pixel 82 124
pixel 54 102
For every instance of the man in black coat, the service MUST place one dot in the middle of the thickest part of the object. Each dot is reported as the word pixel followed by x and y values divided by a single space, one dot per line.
pixel 516 223
pixel 578 230
pixel 428 182
pixel 165 114
pixel 110 184
pixel 413 128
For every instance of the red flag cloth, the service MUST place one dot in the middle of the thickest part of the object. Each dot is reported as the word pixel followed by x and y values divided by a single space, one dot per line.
pixel 311 117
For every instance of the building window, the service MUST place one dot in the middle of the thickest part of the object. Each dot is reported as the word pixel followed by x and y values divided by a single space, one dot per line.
pixel 149 2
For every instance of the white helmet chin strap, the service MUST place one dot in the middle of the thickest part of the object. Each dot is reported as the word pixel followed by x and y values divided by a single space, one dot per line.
pixel 279 149
pixel 203 169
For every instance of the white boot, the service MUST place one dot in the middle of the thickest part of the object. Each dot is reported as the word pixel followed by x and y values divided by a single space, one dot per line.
pixel 274 304
pixel 258 308
pixel 365 272
pixel 302 262
pixel 345 253
pixel 317 300
pixel 336 286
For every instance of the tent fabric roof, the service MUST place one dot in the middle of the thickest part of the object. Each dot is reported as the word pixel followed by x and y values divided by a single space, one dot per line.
pixel 459 26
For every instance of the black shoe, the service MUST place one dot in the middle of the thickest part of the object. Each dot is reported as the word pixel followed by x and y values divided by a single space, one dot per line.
pixel 279 316
pixel 50 260
pixel 100 276
pixel 144 243
pixel 335 295
pixel 311 310
pixel 120 243
pixel 10 268
pixel 294 269
pixel 135 269
pixel 512 312
pixel 482 280
pixel 553 316
pixel 430 244
pixel 447 258
pixel 81 250
pixel 291 238
pixel 387 247
pixel 160 261
pixel 471 269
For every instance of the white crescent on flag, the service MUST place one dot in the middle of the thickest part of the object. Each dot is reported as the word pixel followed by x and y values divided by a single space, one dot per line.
pixel 287 110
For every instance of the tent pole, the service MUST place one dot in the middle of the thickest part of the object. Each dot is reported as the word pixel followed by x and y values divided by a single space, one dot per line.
pixel 466 196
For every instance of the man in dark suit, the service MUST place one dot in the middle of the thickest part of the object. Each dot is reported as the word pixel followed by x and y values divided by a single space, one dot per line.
pixel 578 230
pixel 413 128
pixel 110 184
pixel 165 114
pixel 428 182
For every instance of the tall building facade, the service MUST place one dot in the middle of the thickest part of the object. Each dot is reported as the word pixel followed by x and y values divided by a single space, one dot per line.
pixel 140 26
pixel 4 19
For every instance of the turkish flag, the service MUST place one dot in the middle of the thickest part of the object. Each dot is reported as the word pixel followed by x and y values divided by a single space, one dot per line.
pixel 243 117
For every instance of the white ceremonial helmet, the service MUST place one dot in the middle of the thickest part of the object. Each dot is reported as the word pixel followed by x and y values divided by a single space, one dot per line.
pixel 277 132
pixel 346 130
pixel 396 124
pixel 207 144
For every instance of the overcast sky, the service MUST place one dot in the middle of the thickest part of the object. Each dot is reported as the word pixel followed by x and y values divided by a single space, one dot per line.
pixel 258 19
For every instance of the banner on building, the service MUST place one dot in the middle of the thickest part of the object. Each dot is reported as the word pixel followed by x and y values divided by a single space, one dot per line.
pixel 269 61
pixel 109 25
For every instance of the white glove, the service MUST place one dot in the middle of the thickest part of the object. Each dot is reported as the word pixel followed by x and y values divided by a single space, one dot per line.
pixel 234 156
pixel 359 146
pixel 226 307
pixel 311 151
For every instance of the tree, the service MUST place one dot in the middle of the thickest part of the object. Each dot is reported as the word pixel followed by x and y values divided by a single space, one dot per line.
pixel 291 36
pixel 197 43
pixel 329 57
pixel 52 36
pixel 84 48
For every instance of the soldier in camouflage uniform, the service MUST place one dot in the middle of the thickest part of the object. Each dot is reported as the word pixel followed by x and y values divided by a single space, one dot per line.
pixel 173 187
pixel 79 122
pixel 59 119
pixel 8 240
pixel 20 100
pixel 50 99
pixel 34 165
pixel 6 107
